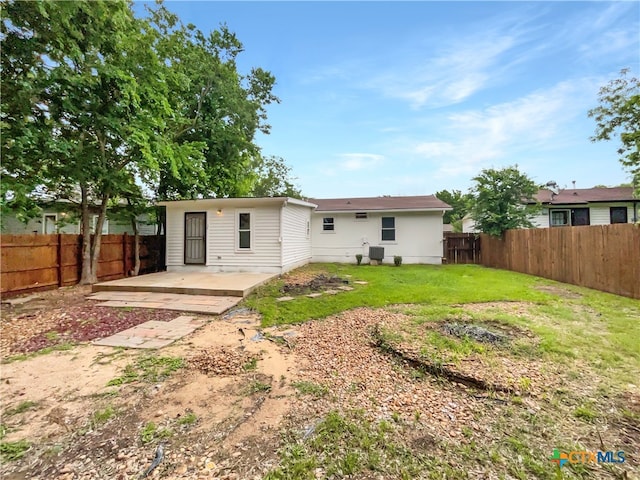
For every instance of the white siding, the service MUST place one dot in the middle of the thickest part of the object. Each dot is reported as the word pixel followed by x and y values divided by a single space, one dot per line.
pixel 418 237
pixel 296 243
pixel 600 214
pixel 221 239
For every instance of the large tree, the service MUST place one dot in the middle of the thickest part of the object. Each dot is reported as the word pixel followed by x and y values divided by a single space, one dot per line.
pixel 460 202
pixel 216 107
pixel 96 100
pixel 619 114
pixel 501 199
pixel 273 179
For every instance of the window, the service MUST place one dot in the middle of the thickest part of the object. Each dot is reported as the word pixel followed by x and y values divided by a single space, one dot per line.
pixel 566 217
pixel 559 218
pixel 105 225
pixel 618 215
pixel 361 215
pixel 244 231
pixel 327 224
pixel 580 216
pixel 388 229
pixel 49 224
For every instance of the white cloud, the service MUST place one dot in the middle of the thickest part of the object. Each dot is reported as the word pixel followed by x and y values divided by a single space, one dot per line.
pixel 475 138
pixel 359 161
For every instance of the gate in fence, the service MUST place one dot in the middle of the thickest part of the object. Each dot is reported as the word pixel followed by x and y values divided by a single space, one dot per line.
pixel 461 247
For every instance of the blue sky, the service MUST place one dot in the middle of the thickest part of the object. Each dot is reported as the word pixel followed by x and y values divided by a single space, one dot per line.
pixel 408 98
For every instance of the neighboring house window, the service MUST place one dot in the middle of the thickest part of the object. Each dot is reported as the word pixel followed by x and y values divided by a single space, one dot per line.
pixel 49 225
pixel 560 218
pixel 388 229
pixel 105 225
pixel 566 217
pixel 618 215
pixel 327 224
pixel 580 216
pixel 361 215
pixel 244 230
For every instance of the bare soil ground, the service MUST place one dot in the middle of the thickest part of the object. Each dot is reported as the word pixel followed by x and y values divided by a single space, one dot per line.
pixel 222 412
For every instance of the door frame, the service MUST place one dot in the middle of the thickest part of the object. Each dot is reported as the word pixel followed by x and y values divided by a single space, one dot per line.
pixel 204 238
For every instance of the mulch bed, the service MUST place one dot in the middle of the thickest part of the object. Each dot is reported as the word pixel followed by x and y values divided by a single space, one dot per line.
pixel 60 317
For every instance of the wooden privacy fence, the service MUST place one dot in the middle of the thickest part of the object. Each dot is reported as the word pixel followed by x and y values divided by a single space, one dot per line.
pixel 604 257
pixel 461 247
pixel 41 262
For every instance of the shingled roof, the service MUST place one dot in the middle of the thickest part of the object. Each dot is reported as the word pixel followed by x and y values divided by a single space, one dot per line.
pixel 585 195
pixel 368 204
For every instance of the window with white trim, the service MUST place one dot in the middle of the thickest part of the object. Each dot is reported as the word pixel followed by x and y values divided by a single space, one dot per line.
pixel 328 224
pixel 560 218
pixel 388 229
pixel 244 230
pixel 50 223
pixel 105 225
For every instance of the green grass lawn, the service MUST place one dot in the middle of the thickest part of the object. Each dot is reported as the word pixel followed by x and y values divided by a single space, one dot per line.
pixel 586 342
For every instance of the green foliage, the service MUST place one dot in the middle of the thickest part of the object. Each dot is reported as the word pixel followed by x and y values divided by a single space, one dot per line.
pixel 10 451
pixel 188 419
pixel 397 260
pixel 256 386
pixel 95 100
pixel 21 408
pixel 460 202
pixel 102 416
pixel 148 368
pixel 619 113
pixel 151 432
pixel 500 197
pixel 310 388
pixel 273 178
pixel 250 365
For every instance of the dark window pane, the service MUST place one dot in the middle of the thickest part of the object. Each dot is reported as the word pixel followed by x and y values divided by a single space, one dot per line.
pixel 245 239
pixel 388 222
pixel 618 214
pixel 327 224
pixel 580 216
pixel 559 217
pixel 326 220
pixel 245 221
pixel 388 235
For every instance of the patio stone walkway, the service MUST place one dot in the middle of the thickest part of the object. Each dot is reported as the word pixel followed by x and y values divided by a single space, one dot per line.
pixel 153 334
pixel 208 304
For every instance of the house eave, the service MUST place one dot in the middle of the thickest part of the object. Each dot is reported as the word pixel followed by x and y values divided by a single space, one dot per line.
pixel 235 201
pixel 385 210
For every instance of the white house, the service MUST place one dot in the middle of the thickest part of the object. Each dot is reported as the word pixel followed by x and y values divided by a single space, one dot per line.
pixel 264 235
pixel 274 235
pixel 407 226
pixel 580 206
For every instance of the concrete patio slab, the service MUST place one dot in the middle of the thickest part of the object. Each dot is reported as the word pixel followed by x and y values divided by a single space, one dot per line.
pixel 207 304
pixel 153 334
pixel 191 283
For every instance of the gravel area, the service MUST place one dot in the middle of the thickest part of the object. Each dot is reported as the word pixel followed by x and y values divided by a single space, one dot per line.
pixel 339 354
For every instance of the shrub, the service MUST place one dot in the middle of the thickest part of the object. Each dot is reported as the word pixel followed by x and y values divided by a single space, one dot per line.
pixel 397 260
pixel 359 258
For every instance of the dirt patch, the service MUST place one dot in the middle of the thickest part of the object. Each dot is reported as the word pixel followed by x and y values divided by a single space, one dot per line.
pixel 558 290
pixel 318 283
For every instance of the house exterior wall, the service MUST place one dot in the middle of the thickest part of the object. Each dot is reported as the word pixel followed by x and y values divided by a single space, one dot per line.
pixel 296 236
pixel 418 237
pixel 222 252
pixel 12 225
pixel 599 213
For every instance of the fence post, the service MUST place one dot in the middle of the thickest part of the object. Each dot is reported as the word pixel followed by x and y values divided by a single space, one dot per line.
pixel 125 256
pixel 59 259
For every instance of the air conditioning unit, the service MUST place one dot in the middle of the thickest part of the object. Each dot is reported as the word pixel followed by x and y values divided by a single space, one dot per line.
pixel 376 253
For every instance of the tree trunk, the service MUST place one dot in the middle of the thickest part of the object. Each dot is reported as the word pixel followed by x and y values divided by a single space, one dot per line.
pixel 85 275
pixel 136 247
pixel 97 239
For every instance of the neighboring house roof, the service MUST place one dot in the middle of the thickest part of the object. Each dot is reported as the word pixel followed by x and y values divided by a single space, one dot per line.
pixel 585 195
pixel 447 227
pixel 368 204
